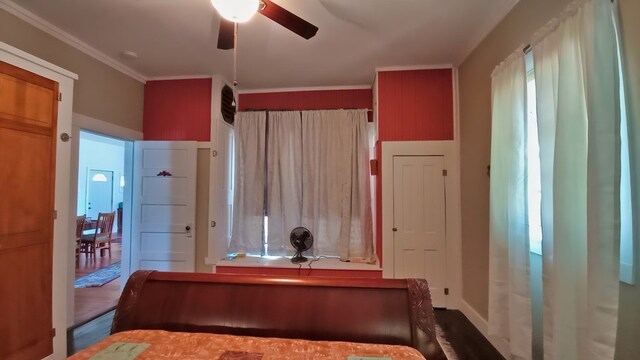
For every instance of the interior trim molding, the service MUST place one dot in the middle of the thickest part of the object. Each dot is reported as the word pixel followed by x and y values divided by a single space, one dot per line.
pixel 28 57
pixel 296 89
pixel 102 127
pixel 483 326
pixel 179 77
pixel 69 39
pixel 64 224
pixel 486 29
pixel 414 67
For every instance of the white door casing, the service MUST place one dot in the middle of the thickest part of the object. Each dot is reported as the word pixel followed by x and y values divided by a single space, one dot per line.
pixel 221 177
pixel 419 221
pixel 223 195
pixel 163 211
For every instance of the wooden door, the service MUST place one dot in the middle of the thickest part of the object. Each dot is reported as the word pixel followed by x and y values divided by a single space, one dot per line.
pixel 164 206
pixel 419 222
pixel 28 115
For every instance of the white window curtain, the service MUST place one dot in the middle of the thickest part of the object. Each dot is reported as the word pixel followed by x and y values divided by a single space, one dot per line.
pixel 509 290
pixel 335 193
pixel 576 72
pixel 284 179
pixel 248 203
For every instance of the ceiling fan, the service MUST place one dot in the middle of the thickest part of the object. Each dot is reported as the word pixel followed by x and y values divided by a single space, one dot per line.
pixel 237 11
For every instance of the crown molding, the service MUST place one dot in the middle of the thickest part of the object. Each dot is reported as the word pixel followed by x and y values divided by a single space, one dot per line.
pixel 296 89
pixel 67 38
pixel 487 29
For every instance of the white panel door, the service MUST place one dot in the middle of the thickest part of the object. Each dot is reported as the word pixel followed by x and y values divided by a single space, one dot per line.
pixel 419 221
pixel 99 193
pixel 163 211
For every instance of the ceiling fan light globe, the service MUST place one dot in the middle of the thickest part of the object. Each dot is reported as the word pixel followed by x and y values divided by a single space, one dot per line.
pixel 236 10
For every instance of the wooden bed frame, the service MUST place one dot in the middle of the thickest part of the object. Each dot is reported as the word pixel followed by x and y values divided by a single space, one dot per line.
pixel 382 311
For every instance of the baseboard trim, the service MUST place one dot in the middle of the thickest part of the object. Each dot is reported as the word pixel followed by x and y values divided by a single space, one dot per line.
pixel 481 324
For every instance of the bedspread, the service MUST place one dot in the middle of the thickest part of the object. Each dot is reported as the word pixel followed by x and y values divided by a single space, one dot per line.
pixel 181 345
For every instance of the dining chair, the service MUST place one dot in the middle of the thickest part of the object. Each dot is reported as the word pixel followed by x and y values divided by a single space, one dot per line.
pixel 101 238
pixel 80 220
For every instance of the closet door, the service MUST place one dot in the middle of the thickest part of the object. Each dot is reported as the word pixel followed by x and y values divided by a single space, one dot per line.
pixel 28 114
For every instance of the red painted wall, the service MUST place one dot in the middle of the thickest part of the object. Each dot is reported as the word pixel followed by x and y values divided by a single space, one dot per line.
pixel 177 110
pixel 304 271
pixel 415 105
pixel 308 100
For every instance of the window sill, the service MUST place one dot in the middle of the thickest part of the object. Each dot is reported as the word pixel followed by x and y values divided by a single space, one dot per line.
pixel 285 263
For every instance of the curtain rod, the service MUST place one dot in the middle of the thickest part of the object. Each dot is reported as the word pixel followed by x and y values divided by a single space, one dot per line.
pixel 528 47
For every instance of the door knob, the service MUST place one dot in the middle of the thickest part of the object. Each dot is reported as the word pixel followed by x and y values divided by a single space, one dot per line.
pixel 188 228
pixel 395 229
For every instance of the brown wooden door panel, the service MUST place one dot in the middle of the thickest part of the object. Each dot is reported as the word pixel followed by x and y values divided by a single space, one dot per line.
pixel 25 296
pixel 28 111
pixel 28 102
pixel 27 203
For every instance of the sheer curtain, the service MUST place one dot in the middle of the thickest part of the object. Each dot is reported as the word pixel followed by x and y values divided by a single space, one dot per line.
pixel 576 72
pixel 509 290
pixel 335 193
pixel 248 202
pixel 284 179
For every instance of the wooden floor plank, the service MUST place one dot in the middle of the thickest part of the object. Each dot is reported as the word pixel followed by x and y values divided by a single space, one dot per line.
pixel 94 301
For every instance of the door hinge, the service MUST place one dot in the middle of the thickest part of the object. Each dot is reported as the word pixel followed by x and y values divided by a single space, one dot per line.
pixel 55 214
pixel 444 172
pixel 59 96
pixel 446 291
pixel 53 332
pixel 213 224
pixel 214 153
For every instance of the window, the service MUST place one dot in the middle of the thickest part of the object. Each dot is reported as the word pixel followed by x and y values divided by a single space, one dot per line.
pixel 627 252
pixel 309 169
pixel 534 193
pixel 534 186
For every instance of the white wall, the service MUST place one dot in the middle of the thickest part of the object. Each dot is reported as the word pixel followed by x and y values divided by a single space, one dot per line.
pixel 99 153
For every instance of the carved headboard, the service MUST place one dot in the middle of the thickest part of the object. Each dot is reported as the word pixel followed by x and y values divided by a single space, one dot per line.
pixel 384 311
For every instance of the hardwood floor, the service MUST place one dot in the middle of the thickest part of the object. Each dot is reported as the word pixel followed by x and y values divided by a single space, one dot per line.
pixel 94 301
pixel 465 339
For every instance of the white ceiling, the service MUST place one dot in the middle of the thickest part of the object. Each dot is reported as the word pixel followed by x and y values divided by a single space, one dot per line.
pixel 177 38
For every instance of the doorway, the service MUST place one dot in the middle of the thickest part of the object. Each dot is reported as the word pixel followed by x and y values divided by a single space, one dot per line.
pixel 101 182
pixel 419 222
pixel 99 192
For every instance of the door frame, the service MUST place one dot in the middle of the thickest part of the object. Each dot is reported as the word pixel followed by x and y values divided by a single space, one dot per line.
pixel 87 123
pixel 62 225
pixel 448 149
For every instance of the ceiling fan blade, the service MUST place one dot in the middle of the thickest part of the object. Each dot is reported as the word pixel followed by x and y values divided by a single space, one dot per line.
pixel 225 35
pixel 289 20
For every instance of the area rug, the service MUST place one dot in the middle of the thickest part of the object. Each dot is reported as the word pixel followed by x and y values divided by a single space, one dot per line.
pixel 444 344
pixel 100 277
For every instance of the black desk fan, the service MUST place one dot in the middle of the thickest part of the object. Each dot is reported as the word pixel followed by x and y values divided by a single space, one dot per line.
pixel 301 240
